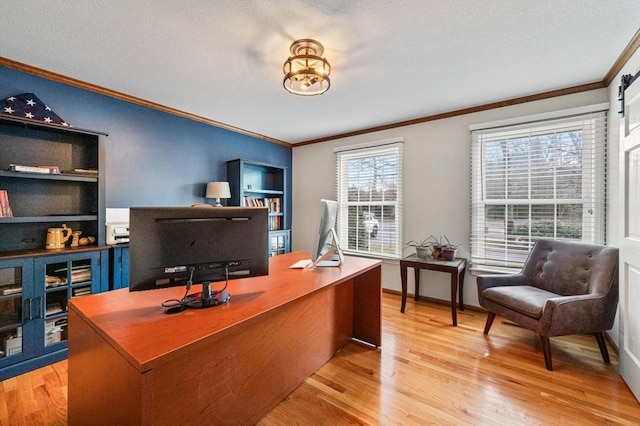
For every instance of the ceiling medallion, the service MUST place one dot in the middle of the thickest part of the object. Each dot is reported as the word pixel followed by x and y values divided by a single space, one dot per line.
pixel 306 72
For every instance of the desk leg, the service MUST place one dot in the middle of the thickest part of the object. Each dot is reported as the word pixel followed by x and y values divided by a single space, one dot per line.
pixel 454 292
pixel 416 274
pixel 403 279
pixel 460 287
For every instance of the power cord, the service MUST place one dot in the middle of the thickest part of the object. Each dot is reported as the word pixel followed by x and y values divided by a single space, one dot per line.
pixel 174 305
pixel 196 300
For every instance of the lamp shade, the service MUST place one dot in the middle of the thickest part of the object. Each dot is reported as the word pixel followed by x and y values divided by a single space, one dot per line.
pixel 218 190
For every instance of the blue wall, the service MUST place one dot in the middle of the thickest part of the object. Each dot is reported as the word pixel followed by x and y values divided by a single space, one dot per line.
pixel 152 158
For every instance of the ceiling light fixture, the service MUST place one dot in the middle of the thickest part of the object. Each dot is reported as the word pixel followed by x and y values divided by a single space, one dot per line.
pixel 306 72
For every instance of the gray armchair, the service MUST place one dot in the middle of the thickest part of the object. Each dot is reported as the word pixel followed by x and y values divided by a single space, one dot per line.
pixel 564 288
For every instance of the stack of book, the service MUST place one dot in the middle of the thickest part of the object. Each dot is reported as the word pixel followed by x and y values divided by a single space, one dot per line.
pixel 81 274
pixel 273 204
pixel 11 289
pixel 274 223
pixel 81 291
pixel 54 308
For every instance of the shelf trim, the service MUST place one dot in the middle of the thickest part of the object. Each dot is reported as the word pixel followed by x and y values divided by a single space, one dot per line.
pixel 64 177
pixel 263 191
pixel 10 326
pixel 49 219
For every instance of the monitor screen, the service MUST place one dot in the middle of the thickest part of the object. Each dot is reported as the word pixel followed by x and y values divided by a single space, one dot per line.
pixel 176 246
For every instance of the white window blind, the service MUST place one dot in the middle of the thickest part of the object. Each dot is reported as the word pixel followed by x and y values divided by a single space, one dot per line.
pixel 369 195
pixel 540 179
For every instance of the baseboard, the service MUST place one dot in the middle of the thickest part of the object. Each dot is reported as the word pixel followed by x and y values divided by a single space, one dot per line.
pixel 434 300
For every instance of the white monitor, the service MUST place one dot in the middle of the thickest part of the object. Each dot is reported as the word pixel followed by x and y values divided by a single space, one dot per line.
pixel 327 250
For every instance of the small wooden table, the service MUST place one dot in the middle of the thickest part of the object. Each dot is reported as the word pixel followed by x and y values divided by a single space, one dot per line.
pixel 454 267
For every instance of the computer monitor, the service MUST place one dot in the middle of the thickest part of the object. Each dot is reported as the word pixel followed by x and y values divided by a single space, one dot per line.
pixel 181 246
pixel 327 250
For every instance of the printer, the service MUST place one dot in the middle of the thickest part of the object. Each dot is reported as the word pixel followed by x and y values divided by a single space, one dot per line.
pixel 117 233
pixel 117 223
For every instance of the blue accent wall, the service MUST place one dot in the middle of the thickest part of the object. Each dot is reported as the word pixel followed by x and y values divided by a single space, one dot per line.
pixel 152 158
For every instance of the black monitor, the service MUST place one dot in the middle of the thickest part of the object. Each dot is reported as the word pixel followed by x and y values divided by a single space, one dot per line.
pixel 327 250
pixel 181 246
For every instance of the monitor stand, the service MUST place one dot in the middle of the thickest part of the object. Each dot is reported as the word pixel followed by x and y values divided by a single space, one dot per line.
pixel 213 298
pixel 333 256
pixel 207 298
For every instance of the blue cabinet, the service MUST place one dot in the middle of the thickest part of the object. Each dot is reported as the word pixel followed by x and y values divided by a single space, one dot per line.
pixel 279 242
pixel 34 294
pixel 36 283
pixel 119 267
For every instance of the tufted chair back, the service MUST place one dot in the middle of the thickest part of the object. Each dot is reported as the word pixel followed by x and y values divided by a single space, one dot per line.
pixel 568 268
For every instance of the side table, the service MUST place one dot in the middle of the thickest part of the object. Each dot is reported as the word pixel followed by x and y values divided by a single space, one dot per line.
pixel 454 267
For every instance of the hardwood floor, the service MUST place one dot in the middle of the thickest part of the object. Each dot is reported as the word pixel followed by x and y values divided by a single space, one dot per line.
pixel 427 372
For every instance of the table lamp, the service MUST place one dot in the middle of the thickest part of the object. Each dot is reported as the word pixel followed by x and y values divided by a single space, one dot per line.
pixel 218 190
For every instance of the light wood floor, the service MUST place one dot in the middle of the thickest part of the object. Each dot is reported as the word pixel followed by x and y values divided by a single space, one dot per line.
pixel 427 372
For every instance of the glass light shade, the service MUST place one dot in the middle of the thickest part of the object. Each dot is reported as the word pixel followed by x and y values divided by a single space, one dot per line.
pixel 306 73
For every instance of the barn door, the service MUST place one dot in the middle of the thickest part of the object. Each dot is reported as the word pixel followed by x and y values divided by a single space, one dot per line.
pixel 630 239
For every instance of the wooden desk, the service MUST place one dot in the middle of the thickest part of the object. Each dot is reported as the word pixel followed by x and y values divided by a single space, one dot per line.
pixel 455 267
pixel 132 364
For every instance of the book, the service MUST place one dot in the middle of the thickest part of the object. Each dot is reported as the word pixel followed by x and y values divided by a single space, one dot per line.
pixel 88 171
pixel 11 290
pixel 5 207
pixel 54 170
pixel 53 308
pixel 82 172
pixel 30 169
pixel 82 291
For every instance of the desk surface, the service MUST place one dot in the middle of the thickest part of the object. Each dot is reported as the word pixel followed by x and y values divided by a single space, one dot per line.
pixel 124 318
pixel 228 364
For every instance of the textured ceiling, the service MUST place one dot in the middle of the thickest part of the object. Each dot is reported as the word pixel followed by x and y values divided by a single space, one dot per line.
pixel 391 60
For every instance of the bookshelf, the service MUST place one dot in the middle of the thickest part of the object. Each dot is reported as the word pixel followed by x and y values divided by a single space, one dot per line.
pixel 256 184
pixel 36 283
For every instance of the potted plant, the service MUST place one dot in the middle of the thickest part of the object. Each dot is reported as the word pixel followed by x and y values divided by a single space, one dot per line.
pixel 423 247
pixel 444 250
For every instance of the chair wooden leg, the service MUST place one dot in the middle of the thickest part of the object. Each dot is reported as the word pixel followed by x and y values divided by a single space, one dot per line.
pixel 546 351
pixel 489 322
pixel 602 344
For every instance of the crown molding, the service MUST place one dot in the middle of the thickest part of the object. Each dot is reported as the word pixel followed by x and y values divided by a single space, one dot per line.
pixel 624 57
pixel 463 111
pixel 59 78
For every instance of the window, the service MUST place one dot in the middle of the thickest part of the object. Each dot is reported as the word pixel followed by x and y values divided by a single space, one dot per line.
pixel 369 195
pixel 541 179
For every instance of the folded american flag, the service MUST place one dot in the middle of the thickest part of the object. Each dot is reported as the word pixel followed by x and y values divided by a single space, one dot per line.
pixel 27 105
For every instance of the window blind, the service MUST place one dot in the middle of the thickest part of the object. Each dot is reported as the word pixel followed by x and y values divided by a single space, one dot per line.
pixel 369 192
pixel 539 179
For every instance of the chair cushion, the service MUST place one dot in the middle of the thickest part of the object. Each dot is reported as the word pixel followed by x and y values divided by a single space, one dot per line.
pixel 525 299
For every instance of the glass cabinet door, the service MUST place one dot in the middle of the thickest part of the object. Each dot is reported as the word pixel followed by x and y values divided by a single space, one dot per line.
pixel 278 242
pixel 64 278
pixel 17 305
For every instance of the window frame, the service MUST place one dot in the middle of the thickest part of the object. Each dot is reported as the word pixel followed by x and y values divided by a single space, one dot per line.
pixel 391 228
pixel 591 121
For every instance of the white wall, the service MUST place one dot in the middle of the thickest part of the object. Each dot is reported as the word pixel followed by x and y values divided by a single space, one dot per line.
pixel 437 198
